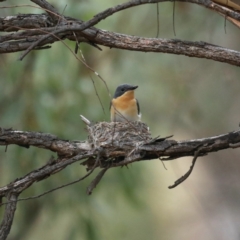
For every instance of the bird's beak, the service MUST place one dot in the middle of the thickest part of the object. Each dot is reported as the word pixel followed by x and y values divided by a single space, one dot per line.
pixel 133 87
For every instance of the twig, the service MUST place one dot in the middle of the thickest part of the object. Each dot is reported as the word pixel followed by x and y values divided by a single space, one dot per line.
pixel 157 21
pixel 19 185
pixel 225 24
pixel 187 174
pixel 99 99
pixel 83 61
pixel 174 6
pixel 54 14
pixel 236 145
pixel 58 22
pixel 54 189
pixel 95 181
pixel 85 120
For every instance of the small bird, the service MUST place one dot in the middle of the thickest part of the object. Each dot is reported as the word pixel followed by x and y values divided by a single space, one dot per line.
pixel 124 106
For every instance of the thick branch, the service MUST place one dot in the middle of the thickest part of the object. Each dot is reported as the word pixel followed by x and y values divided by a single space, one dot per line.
pixel 43 33
pixel 42 140
pixel 127 42
pixel 173 46
pixel 74 151
pixel 188 147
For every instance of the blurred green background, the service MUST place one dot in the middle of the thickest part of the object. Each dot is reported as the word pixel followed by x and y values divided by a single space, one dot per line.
pixel 188 97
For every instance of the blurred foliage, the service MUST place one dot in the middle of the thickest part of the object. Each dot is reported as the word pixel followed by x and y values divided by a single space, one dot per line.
pixel 187 97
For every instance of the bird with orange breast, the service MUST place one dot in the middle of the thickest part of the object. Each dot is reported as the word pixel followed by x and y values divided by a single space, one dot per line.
pixel 124 106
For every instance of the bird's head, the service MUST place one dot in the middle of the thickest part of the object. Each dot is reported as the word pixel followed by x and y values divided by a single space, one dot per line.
pixel 123 89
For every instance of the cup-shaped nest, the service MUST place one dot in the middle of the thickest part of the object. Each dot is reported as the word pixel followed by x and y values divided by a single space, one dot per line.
pixel 117 134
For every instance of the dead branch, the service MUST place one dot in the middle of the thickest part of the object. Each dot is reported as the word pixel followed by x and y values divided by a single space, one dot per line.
pixel 95 181
pixel 49 9
pixel 109 145
pixel 187 174
pixel 41 30
pixel 10 208
pixel 110 156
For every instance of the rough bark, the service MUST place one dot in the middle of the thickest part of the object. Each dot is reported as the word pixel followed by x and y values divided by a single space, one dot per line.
pixel 72 151
pixel 39 31
pixel 7 221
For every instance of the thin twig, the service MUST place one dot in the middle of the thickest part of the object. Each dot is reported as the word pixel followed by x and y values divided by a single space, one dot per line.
pixel 59 19
pixel 54 14
pixel 83 61
pixel 86 65
pixel 174 6
pixel 157 21
pixel 236 145
pixel 54 189
pixel 187 174
pixel 93 83
pixel 163 163
pixel 225 24
pixel 225 20
pixel 95 181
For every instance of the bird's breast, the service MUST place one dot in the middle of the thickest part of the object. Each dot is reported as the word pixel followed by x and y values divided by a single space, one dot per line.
pixel 124 108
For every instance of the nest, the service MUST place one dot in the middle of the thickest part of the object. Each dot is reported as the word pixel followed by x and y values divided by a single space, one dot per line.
pixel 118 134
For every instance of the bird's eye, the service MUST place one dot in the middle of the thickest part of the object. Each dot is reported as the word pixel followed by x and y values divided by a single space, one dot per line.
pixel 122 89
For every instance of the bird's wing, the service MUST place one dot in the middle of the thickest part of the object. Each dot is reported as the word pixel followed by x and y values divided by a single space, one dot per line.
pixel 110 105
pixel 112 112
pixel 138 107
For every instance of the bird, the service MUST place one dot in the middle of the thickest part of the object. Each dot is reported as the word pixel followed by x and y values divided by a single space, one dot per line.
pixel 124 106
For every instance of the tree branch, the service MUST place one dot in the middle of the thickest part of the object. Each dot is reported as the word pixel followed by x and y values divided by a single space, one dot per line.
pixel 51 11
pixel 187 174
pixel 120 41
pixel 7 221
pixel 173 46
pixel 42 140
pixel 42 31
pixel 73 151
